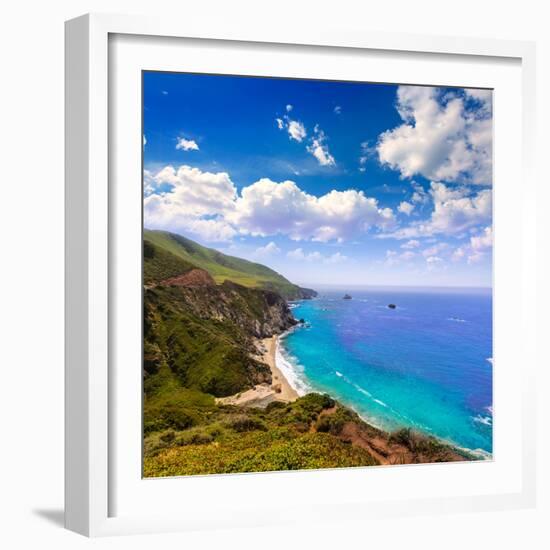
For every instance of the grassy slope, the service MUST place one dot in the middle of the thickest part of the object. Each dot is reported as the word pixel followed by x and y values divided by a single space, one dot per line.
pixel 208 355
pixel 160 264
pixel 232 439
pixel 221 266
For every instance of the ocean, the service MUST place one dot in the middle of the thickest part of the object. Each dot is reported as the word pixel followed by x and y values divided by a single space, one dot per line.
pixel 427 364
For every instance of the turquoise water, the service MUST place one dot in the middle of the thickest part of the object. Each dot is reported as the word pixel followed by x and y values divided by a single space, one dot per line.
pixel 426 364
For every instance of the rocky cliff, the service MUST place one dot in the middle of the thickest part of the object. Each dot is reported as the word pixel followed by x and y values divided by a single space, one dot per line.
pixel 202 334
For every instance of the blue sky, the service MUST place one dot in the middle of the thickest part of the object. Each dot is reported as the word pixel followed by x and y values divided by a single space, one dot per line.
pixel 326 182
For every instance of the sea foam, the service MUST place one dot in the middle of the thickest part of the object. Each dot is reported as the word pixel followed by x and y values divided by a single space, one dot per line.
pixel 290 371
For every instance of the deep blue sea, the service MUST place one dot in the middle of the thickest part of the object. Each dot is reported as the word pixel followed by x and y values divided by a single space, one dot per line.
pixel 426 364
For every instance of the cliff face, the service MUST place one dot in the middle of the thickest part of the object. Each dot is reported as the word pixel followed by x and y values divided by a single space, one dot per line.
pixel 258 313
pixel 201 334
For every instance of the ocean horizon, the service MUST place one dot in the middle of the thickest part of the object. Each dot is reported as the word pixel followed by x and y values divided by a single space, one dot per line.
pixel 425 365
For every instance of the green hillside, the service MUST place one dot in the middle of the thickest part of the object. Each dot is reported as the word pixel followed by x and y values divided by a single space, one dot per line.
pixel 223 267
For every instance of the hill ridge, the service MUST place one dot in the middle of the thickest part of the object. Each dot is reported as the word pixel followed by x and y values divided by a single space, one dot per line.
pixel 220 266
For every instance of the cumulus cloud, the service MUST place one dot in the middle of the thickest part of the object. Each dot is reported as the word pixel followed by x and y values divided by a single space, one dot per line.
pixel 394 258
pixel 270 249
pixel 319 149
pixel 367 151
pixel 338 109
pixel 406 208
pixel 455 210
pixel 189 200
pixel 296 130
pixel 480 245
pixel 441 137
pixel 477 250
pixel 207 204
pixel 434 262
pixel 187 144
pixel 413 243
pixel 289 108
pixel 483 242
pixel 435 250
pixel 458 254
pixel 269 208
pixel 299 255
pixel 316 144
pixel 419 195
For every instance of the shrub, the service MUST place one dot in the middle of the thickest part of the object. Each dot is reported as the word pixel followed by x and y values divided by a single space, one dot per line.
pixel 330 424
pixel 243 423
pixel 168 437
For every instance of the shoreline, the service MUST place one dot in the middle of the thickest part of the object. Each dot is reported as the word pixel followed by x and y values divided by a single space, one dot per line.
pixel 261 395
pixel 480 454
pixel 279 381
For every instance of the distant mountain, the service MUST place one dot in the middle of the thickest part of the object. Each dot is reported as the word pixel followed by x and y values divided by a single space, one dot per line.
pixel 179 254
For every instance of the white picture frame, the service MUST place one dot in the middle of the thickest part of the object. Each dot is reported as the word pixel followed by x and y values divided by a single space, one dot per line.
pixel 93 257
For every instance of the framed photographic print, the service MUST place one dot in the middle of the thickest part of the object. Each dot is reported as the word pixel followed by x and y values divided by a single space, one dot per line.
pixel 298 267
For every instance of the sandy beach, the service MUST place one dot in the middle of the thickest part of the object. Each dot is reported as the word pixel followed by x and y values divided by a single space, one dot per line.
pixel 263 394
pixel 287 392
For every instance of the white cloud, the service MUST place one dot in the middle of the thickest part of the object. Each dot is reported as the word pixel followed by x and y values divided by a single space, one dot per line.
pixel 413 243
pixel 406 208
pixel 289 108
pixel 319 149
pixel 483 242
pixel 477 249
pixel 419 196
pixel 144 140
pixel 458 254
pixel 187 144
pixel 440 138
pixel 296 130
pixel 434 262
pixel 366 152
pixel 455 210
pixel 269 208
pixel 338 109
pixel 408 255
pixel 195 202
pixel 394 258
pixel 299 255
pixel 483 97
pixel 435 250
pixel 270 249
pixel 480 245
pixel 207 204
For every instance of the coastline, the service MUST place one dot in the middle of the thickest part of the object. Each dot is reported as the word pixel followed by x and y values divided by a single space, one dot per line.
pixel 280 383
pixel 478 454
pixel 263 394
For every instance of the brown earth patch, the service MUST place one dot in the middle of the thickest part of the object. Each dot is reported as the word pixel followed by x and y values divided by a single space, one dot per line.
pixel 193 278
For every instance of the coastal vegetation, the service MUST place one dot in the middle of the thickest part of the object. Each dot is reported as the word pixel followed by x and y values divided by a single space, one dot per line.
pixel 204 314
pixel 223 267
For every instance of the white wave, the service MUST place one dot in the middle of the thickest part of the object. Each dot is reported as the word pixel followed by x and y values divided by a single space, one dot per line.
pixel 290 371
pixel 339 374
pixel 490 359
pixel 486 420
pixel 379 402
pixel 362 390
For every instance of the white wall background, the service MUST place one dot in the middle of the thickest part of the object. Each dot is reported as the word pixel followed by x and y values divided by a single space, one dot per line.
pixel 31 268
